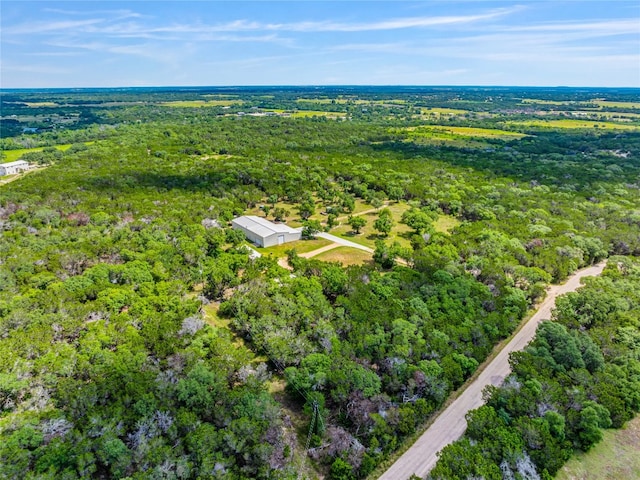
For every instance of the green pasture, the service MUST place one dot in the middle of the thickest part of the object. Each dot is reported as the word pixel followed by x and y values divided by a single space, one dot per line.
pixel 608 104
pixel 615 457
pixel 13 155
pixel 445 223
pixel 41 104
pixel 446 133
pixel 323 101
pixel 346 256
pixel 201 103
pixel 443 111
pixel 316 113
pixel 301 246
pixel 544 102
pixel 575 124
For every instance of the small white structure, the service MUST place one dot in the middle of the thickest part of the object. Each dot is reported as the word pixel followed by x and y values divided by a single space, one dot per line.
pixel 264 233
pixel 12 168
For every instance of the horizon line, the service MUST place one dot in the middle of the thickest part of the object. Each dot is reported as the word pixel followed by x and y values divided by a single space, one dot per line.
pixel 354 85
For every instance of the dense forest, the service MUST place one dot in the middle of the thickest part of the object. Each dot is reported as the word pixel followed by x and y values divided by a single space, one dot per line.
pixel 140 338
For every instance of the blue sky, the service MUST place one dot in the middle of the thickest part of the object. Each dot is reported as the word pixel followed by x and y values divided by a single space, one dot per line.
pixel 158 43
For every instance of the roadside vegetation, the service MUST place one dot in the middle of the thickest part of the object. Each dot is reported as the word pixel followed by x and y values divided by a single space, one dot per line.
pixel 576 378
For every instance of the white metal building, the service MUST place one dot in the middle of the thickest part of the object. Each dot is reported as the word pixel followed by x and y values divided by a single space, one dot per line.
pixel 264 233
pixel 12 168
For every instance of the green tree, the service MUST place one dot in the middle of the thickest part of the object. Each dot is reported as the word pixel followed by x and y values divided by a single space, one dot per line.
pixel 384 223
pixel 311 228
pixel 356 223
pixel 307 208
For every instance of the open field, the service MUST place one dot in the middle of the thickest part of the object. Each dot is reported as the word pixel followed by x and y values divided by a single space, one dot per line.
pixel 575 124
pixel 201 103
pixel 544 102
pixel 353 101
pixel 606 103
pixel 443 111
pixel 323 101
pixel 305 113
pixel 346 256
pixel 301 246
pixel 13 155
pixel 316 113
pixel 41 104
pixel 432 133
pixel 478 132
pixel 221 96
pixel 615 457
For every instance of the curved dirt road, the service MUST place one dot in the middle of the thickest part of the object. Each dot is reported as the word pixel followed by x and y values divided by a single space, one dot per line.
pixel 451 423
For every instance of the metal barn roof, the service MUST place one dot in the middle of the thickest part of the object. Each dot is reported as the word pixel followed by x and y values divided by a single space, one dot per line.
pixel 262 226
pixel 14 164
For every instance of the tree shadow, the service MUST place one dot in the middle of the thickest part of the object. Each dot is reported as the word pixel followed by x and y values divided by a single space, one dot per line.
pixel 376 236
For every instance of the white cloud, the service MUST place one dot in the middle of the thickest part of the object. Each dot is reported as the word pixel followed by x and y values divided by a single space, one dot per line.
pixel 150 51
pixel 116 13
pixel 392 24
pixel 112 26
pixel 34 28
pixel 608 27
pixel 52 54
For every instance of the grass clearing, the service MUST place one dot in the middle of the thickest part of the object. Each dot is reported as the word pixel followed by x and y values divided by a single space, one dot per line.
pixel 317 113
pixel 453 133
pixel 210 315
pixel 352 101
pixel 607 104
pixel 443 111
pixel 615 457
pixel 41 104
pixel 292 219
pixel 221 96
pixel 322 101
pixel 301 246
pixel 575 124
pixel 305 113
pixel 446 223
pixel 200 103
pixel 346 256
pixel 480 132
pixel 545 102
pixel 368 234
pixel 13 155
